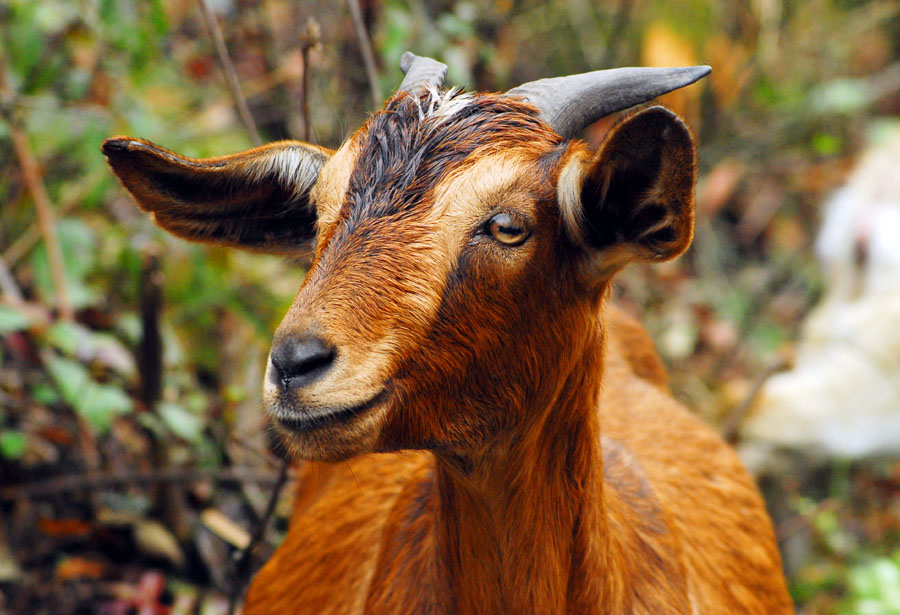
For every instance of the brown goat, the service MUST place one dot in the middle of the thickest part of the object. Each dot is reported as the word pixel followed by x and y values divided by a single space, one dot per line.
pixel 483 435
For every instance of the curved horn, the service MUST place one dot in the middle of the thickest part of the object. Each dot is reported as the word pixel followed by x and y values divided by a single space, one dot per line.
pixel 420 72
pixel 570 103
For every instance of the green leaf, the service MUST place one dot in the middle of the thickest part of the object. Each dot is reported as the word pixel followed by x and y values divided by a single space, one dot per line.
pixel 876 587
pixel 71 378
pixel 44 394
pixel 766 338
pixel 53 17
pixel 12 320
pixel 66 336
pixel 12 444
pixel 101 404
pixel 150 421
pixel 108 11
pixel 78 341
pixel 182 423
pixel 79 249
pixel 98 404
pixel 827 144
pixel 158 17
pixel 841 96
pixel 235 393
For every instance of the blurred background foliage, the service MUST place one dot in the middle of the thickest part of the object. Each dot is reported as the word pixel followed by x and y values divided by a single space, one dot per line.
pixel 133 457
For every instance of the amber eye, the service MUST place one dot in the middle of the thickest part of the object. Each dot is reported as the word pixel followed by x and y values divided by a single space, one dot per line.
pixel 507 231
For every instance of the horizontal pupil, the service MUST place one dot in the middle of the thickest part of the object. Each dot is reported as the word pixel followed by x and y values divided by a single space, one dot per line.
pixel 502 228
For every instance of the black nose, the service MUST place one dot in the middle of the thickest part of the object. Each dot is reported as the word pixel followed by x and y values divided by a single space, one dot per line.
pixel 299 361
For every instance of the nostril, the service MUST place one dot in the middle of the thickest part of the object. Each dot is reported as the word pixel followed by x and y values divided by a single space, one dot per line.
pixel 300 361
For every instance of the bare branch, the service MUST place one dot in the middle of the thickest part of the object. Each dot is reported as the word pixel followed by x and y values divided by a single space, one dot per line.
pixel 74 482
pixel 308 40
pixel 368 56
pixel 231 76
pixel 23 244
pixel 731 425
pixel 32 175
pixel 242 568
pixel 150 346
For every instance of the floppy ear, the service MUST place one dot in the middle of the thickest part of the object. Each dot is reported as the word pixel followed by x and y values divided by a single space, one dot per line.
pixel 634 199
pixel 258 199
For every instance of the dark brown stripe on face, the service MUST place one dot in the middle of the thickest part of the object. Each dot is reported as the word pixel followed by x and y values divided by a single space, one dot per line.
pixel 549 161
pixel 402 158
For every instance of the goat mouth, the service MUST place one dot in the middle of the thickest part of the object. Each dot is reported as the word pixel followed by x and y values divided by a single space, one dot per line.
pixel 306 420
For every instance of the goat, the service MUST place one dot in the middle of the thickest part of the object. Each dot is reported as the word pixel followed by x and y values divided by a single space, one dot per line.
pixel 483 436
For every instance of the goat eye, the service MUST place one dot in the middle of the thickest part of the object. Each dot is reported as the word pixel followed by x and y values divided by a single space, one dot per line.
pixel 507 231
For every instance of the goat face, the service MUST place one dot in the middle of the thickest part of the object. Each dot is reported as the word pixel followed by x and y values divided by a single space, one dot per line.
pixel 461 249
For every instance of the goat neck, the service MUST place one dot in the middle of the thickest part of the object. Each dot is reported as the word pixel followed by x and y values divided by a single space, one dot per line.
pixel 521 526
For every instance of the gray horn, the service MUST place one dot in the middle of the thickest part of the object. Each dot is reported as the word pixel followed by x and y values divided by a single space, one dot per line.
pixel 421 73
pixel 571 103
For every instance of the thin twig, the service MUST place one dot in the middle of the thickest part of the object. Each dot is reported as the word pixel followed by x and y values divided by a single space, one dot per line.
pixel 368 56
pixel 261 454
pixel 167 499
pixel 110 480
pixel 32 175
pixel 23 244
pixel 731 425
pixel 150 346
pixel 231 76
pixel 304 98
pixel 241 568
pixel 308 40
pixel 8 286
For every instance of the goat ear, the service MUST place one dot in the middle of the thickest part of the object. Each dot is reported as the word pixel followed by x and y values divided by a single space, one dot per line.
pixel 634 200
pixel 258 199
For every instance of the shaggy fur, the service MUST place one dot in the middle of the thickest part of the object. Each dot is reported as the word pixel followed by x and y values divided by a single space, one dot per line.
pixel 505 443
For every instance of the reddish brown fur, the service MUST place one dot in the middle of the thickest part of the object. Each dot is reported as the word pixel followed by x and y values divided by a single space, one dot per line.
pixel 551 472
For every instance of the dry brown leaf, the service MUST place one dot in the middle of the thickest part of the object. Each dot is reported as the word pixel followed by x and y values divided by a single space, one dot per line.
pixel 154 539
pixel 64 528
pixel 225 528
pixel 9 568
pixel 73 568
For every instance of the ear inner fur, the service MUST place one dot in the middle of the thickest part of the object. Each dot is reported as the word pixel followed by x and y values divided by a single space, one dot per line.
pixel 636 195
pixel 568 193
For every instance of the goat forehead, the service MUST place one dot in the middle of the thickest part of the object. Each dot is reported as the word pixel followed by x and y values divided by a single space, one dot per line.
pixel 411 145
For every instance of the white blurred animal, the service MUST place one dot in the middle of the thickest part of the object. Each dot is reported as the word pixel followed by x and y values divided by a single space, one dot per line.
pixel 842 397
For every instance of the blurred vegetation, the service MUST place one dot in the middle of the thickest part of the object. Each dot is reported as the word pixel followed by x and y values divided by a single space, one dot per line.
pixel 797 88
